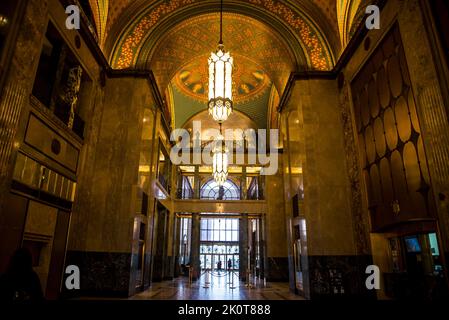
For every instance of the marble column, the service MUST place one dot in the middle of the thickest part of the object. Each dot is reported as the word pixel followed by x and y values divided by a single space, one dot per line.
pixel 261 187
pixel 161 246
pixel 197 183
pixel 179 194
pixel 101 226
pixel 243 186
pixel 243 244
pixel 177 240
pixel 261 247
pixel 195 246
pixel 170 256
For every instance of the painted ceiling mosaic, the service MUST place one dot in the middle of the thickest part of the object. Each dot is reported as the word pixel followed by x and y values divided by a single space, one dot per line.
pixel 250 80
pixel 313 42
pixel 130 21
pixel 268 38
pixel 259 55
pixel 185 106
pixel 116 8
pixel 181 60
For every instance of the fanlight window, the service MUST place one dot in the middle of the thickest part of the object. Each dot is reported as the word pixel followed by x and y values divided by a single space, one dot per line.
pixel 211 191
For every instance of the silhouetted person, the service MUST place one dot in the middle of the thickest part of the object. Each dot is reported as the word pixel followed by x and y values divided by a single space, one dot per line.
pixel 20 282
pixel 229 264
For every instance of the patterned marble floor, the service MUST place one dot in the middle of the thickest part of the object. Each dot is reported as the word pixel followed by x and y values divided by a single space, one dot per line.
pixel 217 287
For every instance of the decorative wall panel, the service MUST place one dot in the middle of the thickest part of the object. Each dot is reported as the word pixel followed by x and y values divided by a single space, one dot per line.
pixel 10 106
pixel 389 137
pixel 47 141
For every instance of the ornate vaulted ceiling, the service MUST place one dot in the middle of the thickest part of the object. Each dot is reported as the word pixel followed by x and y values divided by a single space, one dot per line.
pixel 334 19
pixel 290 19
pixel 260 59
pixel 268 38
pixel 182 53
pixel 250 80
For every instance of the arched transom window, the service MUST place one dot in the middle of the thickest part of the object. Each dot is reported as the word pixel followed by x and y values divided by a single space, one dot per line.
pixel 211 191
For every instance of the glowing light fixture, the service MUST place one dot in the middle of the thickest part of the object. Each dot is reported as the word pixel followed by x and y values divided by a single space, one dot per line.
pixel 220 160
pixel 220 80
pixel 3 21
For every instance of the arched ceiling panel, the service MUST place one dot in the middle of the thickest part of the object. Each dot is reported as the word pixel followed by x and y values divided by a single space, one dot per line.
pixel 259 55
pixel 117 9
pixel 336 19
pixel 345 14
pixel 307 33
pixel 250 79
pixel 260 58
pixel 100 11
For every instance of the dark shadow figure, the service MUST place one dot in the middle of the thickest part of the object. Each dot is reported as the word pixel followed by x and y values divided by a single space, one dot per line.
pixel 21 282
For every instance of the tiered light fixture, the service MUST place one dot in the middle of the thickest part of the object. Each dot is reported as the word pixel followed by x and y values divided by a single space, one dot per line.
pixel 220 102
pixel 220 160
pixel 220 80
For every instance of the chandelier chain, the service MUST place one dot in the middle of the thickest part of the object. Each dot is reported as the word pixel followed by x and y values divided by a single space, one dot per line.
pixel 221 22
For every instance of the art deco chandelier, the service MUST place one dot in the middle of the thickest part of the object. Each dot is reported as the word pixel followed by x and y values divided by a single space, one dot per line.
pixel 220 101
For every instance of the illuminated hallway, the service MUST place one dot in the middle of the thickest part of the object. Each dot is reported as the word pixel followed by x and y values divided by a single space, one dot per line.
pixel 288 141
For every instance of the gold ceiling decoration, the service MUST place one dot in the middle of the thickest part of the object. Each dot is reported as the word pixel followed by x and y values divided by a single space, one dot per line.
pixel 314 21
pixel 346 13
pixel 116 10
pixel 133 37
pixel 250 80
pixel 252 43
pixel 100 11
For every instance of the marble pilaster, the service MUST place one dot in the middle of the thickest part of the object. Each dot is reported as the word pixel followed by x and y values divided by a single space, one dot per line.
pixel 195 246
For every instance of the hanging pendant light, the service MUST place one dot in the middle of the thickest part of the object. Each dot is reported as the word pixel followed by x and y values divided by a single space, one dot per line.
pixel 220 80
pixel 220 160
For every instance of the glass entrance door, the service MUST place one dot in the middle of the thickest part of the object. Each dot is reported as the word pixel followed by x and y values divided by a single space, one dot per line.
pixel 219 246
pixel 221 256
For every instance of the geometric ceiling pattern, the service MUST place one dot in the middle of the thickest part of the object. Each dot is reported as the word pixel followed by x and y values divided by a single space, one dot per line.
pixel 100 11
pixel 260 55
pixel 260 59
pixel 317 24
pixel 249 79
pixel 313 43
pixel 267 38
pixel 347 15
pixel 185 107
pixel 117 7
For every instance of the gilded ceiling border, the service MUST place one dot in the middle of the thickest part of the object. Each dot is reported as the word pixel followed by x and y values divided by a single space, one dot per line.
pixel 128 46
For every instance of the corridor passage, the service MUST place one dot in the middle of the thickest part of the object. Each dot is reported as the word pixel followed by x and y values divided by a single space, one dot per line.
pixel 219 289
pixel 303 141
